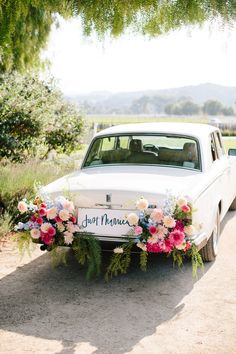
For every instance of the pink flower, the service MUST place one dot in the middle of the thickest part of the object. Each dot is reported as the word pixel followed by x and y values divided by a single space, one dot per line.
pixel 43 205
pixel 73 219
pixel 168 246
pixel 179 225
pixel 154 248
pixel 185 208
pixel 138 230
pixel 176 237
pixel 153 230
pixel 42 212
pixel 51 231
pixel 39 221
pixel 188 246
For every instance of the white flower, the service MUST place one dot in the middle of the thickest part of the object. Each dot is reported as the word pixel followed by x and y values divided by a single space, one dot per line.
pixel 22 207
pixel 35 233
pixel 133 219
pixel 153 239
pixel 157 215
pixel 162 230
pixel 181 201
pixel 64 214
pixel 45 227
pixel 189 230
pixel 52 213
pixel 68 205
pixel 181 246
pixel 142 204
pixel 60 227
pixel 118 250
pixel 72 227
pixel 68 237
pixel 169 221
pixel 142 246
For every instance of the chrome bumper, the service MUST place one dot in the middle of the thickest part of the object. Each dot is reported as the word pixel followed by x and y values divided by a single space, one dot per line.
pixel 200 240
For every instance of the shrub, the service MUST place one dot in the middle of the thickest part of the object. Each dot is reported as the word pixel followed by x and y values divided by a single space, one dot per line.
pixel 34 118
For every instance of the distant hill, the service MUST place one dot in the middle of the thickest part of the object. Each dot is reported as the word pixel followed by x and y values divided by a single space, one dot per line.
pixel 126 102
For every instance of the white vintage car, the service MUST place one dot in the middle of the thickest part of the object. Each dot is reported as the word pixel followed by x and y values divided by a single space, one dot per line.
pixel 150 160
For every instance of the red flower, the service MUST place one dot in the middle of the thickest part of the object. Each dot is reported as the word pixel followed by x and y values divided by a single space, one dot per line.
pixel 39 221
pixel 33 218
pixel 43 205
pixel 179 225
pixel 185 208
pixel 152 230
pixel 42 212
pixel 51 231
pixel 58 219
pixel 48 240
pixel 154 248
pixel 73 219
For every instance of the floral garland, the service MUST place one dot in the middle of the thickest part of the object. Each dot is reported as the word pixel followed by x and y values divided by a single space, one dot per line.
pixel 166 229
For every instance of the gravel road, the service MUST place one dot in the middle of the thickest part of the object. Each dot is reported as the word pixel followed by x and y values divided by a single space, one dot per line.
pixel 45 310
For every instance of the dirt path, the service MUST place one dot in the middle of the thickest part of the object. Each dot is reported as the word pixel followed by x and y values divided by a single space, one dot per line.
pixel 45 310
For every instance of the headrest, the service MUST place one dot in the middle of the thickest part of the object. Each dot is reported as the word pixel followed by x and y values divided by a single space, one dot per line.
pixel 136 145
pixel 191 149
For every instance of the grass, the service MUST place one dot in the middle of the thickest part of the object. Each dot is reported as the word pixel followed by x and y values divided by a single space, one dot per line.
pixel 229 143
pixel 18 180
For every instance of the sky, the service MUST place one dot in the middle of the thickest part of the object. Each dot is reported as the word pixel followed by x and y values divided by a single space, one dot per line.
pixel 189 56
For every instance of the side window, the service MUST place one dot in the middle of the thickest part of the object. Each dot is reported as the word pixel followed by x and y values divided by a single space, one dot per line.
pixel 213 148
pixel 219 144
pixel 108 143
pixel 123 142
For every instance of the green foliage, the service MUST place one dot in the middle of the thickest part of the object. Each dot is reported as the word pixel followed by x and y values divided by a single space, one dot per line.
pixel 119 262
pixel 177 257
pixel 87 251
pixel 197 261
pixel 25 25
pixel 34 118
pixel 59 256
pixel 24 243
pixel 143 260
pixel 4 224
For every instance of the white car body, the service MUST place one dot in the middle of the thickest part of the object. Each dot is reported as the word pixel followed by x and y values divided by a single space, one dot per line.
pixel 113 189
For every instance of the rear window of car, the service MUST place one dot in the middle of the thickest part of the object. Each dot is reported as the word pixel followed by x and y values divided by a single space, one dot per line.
pixel 146 149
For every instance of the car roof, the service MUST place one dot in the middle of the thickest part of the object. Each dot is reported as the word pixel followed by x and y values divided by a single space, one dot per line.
pixel 196 130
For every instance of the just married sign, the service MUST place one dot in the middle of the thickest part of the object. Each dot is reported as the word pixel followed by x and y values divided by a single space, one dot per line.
pixel 104 221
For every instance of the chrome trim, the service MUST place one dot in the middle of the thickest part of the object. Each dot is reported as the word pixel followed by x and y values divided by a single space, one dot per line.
pixel 200 240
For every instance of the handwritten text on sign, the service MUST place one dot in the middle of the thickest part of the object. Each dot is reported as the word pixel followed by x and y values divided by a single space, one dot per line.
pixel 104 221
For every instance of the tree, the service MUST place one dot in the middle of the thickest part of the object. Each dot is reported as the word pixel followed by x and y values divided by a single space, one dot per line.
pixel 212 107
pixel 25 25
pixel 34 118
pixel 182 108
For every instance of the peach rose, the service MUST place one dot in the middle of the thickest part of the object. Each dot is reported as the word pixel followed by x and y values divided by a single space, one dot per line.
pixel 142 204
pixel 22 207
